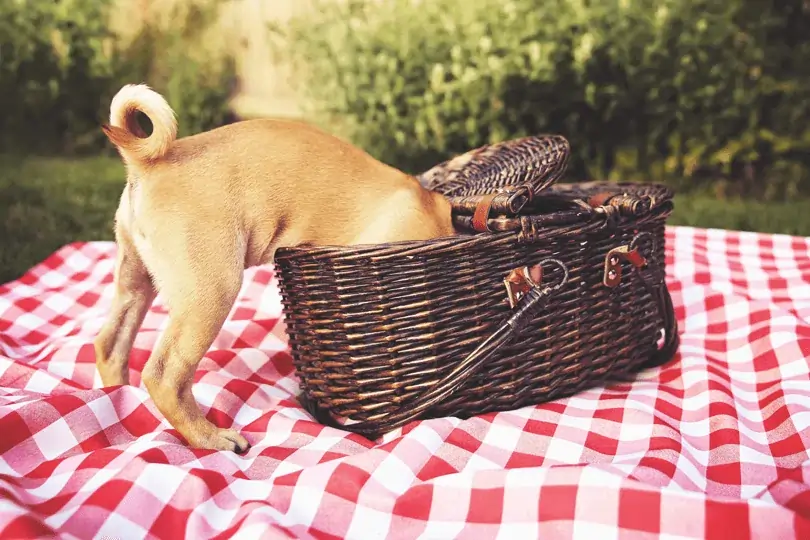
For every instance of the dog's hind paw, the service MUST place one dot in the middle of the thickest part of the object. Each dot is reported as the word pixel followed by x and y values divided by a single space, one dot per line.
pixel 225 439
pixel 234 441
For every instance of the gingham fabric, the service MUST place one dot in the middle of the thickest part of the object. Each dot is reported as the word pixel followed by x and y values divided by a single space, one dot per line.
pixel 712 445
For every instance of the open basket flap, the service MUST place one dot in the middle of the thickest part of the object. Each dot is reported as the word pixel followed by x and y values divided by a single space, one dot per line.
pixel 512 186
pixel 533 163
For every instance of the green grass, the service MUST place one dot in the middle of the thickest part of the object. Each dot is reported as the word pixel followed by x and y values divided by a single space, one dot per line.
pixel 46 203
pixel 702 210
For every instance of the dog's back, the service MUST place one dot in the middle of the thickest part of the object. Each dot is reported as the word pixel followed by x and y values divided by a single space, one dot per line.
pixel 282 182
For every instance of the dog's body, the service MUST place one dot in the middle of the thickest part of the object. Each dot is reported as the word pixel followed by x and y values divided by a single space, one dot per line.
pixel 199 210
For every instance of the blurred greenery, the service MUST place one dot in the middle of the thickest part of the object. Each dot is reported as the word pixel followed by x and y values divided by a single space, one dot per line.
pixel 61 65
pixel 710 97
pixel 46 203
pixel 644 89
pixel 742 214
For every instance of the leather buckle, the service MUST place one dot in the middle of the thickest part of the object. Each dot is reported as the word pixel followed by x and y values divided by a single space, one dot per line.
pixel 613 268
pixel 520 281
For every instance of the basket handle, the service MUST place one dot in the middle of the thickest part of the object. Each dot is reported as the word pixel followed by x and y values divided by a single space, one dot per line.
pixel 531 300
pixel 671 336
pixel 652 278
pixel 659 292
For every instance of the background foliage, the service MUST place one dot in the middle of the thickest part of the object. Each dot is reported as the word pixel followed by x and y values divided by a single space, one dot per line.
pixel 60 64
pixel 711 96
pixel 48 202
pixel 705 90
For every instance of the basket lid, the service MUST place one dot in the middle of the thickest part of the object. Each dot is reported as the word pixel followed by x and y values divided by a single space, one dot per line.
pixel 528 164
pixel 490 186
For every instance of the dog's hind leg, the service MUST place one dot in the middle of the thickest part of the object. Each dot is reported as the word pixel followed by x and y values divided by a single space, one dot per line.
pixel 199 296
pixel 134 293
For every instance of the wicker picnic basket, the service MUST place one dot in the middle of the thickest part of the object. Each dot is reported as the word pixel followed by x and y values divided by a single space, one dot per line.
pixel 547 290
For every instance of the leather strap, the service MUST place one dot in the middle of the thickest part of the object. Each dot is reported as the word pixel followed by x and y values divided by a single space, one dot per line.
pixel 481 214
pixel 635 257
pixel 599 199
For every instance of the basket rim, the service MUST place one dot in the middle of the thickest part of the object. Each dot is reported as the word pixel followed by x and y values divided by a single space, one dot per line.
pixel 469 239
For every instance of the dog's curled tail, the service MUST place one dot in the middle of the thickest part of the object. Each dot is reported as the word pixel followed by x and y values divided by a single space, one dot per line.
pixel 134 145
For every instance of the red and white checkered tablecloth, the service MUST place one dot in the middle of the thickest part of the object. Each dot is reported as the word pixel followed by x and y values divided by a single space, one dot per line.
pixel 712 445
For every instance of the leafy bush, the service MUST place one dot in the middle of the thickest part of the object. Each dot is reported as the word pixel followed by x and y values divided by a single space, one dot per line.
pixel 46 203
pixel 694 88
pixel 45 49
pixel 60 65
pixel 179 59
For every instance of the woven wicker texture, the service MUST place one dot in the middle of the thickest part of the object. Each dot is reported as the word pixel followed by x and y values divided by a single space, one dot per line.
pixel 386 334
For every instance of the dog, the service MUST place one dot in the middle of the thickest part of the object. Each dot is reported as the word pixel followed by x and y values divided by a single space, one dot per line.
pixel 197 211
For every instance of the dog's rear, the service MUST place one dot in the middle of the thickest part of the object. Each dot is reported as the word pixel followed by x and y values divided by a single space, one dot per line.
pixel 124 131
pixel 198 210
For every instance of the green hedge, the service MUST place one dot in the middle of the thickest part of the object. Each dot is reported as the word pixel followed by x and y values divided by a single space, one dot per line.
pixel 46 203
pixel 642 88
pixel 60 65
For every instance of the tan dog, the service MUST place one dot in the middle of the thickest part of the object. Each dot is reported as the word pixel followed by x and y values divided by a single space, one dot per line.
pixel 197 211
